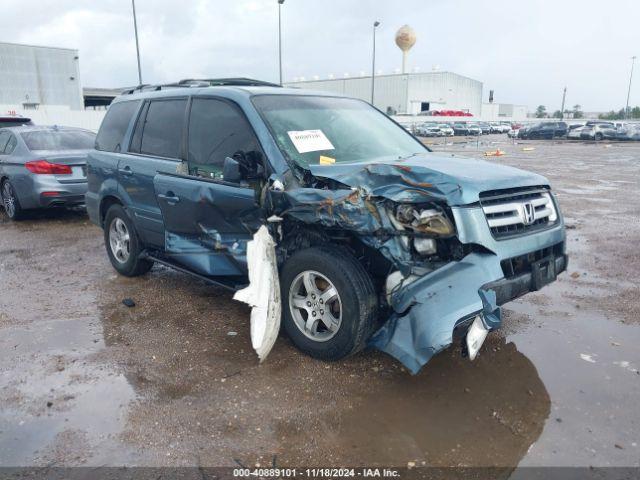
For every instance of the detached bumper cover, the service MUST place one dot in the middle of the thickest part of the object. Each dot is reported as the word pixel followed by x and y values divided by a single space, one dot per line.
pixel 427 311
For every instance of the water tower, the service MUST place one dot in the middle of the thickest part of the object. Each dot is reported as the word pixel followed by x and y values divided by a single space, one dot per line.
pixel 405 39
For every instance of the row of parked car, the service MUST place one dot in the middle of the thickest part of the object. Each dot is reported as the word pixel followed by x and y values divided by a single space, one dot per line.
pixel 590 130
pixel 449 129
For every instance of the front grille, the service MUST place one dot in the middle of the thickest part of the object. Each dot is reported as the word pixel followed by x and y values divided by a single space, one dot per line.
pixel 518 211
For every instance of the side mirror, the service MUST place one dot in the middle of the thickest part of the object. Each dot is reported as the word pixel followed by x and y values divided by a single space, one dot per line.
pixel 231 170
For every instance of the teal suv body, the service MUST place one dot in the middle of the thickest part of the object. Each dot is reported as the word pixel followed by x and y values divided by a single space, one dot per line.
pixel 378 241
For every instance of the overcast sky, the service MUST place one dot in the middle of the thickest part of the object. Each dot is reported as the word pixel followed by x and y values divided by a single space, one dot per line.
pixel 525 50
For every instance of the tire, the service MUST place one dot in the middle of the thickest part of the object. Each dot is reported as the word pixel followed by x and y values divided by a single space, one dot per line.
pixel 355 304
pixel 10 201
pixel 598 137
pixel 124 253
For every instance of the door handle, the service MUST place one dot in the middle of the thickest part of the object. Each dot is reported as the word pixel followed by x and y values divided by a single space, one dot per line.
pixel 170 198
pixel 125 171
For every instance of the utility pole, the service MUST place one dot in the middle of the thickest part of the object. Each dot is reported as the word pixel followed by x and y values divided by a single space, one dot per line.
pixel 135 28
pixel 373 62
pixel 626 110
pixel 280 2
pixel 564 96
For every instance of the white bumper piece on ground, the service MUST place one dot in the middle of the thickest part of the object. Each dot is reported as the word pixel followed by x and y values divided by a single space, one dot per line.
pixel 263 292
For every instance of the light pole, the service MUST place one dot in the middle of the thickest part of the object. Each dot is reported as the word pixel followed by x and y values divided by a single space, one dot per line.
pixel 626 110
pixel 280 2
pixel 135 29
pixel 373 62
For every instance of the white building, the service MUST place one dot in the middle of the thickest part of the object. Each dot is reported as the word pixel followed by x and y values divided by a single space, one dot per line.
pixel 408 93
pixel 43 83
pixel 412 93
pixel 503 111
pixel 32 76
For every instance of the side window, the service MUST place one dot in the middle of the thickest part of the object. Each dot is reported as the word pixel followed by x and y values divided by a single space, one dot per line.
pixel 114 126
pixel 11 145
pixel 4 138
pixel 161 128
pixel 217 129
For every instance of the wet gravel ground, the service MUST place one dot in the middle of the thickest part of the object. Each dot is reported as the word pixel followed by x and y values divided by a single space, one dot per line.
pixel 86 380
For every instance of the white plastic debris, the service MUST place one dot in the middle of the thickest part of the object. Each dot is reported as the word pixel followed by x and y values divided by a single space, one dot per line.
pixel 587 357
pixel 263 292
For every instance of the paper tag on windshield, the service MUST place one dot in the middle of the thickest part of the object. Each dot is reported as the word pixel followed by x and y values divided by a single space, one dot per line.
pixel 326 160
pixel 310 141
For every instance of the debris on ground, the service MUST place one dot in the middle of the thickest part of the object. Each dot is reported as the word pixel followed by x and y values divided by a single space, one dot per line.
pixel 494 153
pixel 587 358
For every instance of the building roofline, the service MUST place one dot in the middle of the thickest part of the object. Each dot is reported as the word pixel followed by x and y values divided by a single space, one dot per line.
pixel 28 45
pixel 359 77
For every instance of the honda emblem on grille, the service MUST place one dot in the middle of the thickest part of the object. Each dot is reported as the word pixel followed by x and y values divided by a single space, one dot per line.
pixel 528 213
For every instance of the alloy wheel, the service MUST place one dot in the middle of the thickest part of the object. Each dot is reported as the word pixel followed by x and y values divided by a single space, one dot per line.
pixel 119 240
pixel 9 199
pixel 315 306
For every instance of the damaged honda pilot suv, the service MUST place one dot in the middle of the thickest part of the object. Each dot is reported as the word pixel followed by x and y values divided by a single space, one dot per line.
pixel 371 239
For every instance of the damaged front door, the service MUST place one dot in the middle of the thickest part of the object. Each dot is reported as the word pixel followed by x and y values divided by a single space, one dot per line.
pixel 209 219
pixel 207 222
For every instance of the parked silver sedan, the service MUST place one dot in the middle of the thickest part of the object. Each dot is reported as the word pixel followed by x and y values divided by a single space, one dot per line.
pixel 43 167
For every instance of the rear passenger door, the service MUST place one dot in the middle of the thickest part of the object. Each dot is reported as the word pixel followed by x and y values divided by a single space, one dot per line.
pixel 209 220
pixel 156 147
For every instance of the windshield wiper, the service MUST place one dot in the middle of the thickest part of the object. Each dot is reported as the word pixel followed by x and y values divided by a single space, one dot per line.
pixel 410 156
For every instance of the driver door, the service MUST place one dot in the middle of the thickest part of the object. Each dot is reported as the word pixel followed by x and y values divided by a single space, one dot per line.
pixel 207 219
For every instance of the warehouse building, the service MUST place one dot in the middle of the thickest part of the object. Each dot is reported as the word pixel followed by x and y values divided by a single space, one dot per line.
pixel 408 93
pixel 33 76
pixel 43 84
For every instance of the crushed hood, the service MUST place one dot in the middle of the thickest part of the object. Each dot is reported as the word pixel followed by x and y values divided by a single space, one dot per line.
pixel 456 180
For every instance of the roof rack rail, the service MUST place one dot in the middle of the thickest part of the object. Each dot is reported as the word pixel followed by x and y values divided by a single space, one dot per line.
pixel 203 82
pixel 220 82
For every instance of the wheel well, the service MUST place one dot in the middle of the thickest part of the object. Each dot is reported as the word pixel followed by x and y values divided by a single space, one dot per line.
pixel 297 236
pixel 2 180
pixel 106 203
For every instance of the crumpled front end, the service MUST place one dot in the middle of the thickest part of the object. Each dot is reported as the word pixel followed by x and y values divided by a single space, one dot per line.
pixel 428 309
pixel 445 255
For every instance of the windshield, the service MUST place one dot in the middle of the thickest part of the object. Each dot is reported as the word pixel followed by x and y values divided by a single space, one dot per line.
pixel 60 140
pixel 325 130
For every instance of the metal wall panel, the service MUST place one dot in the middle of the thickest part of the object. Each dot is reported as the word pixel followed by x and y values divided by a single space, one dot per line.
pixel 39 75
pixel 405 92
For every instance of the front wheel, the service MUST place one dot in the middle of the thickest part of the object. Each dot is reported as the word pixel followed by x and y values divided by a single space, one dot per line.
pixel 10 202
pixel 599 136
pixel 122 243
pixel 330 305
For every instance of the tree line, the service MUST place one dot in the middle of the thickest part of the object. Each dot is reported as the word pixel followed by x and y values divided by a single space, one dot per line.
pixel 576 112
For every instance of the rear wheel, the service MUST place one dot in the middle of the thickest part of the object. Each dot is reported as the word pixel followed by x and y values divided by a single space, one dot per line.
pixel 330 305
pixel 10 202
pixel 599 136
pixel 122 243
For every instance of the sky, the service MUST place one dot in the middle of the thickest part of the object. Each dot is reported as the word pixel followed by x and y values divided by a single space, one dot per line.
pixel 527 51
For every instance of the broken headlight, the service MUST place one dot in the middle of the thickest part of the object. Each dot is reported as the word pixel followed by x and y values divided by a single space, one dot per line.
pixel 429 221
pixel 425 246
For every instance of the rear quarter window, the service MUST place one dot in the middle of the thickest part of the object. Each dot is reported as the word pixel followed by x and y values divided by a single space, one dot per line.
pixel 114 126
